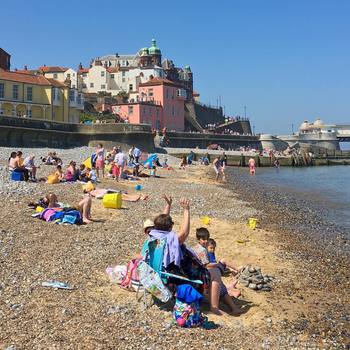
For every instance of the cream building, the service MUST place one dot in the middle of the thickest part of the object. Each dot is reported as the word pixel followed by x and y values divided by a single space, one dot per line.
pixel 38 97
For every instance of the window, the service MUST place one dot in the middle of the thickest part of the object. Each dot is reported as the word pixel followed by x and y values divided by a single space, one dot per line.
pixel 102 74
pixel 150 111
pixel 150 92
pixel 123 80
pixel 91 85
pixel 166 93
pixel 84 86
pixel 73 86
pixel 79 99
pixel 15 92
pixel 68 76
pixel 71 95
pixel 73 74
pixel 112 76
pixel 29 93
pixel 130 87
pixel 123 74
pixel 55 75
pixel 58 94
pixel 84 75
pixel 130 110
pixel 103 86
pixel 29 112
pixel 2 90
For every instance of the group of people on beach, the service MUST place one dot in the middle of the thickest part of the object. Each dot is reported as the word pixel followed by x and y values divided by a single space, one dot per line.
pixel 197 262
pixel 114 163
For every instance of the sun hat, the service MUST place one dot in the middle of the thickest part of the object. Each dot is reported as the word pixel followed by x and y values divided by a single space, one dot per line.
pixel 148 223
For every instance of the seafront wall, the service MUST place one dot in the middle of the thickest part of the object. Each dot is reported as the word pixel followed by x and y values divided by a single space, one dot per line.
pixel 234 158
pixel 23 132
pixel 193 140
pixel 20 132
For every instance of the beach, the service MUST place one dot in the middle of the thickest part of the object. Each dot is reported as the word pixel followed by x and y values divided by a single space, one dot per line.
pixel 308 306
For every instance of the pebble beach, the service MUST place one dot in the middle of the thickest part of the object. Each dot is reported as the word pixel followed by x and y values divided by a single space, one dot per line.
pixel 307 307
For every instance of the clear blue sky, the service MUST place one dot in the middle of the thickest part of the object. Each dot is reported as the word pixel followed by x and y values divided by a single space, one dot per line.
pixel 285 60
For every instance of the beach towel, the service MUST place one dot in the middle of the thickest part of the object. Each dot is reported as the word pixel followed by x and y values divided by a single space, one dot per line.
pixel 172 251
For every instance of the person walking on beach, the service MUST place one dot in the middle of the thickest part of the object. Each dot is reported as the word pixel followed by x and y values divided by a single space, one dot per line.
pixel 251 163
pixel 100 160
pixel 219 170
pixel 136 154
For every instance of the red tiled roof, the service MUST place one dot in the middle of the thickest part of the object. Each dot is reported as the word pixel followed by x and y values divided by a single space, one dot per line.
pixel 159 81
pixel 53 69
pixel 25 71
pixel 24 78
pixel 28 78
pixel 83 70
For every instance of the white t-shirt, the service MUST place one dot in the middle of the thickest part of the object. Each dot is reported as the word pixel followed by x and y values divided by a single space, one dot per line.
pixel 120 158
pixel 137 152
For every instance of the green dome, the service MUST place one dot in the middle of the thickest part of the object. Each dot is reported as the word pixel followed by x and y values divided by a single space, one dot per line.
pixel 187 68
pixel 154 50
pixel 143 51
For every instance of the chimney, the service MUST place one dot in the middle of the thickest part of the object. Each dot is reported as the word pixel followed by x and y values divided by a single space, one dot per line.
pixel 25 67
pixel 80 66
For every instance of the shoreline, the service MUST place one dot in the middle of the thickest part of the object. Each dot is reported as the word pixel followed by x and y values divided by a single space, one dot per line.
pixel 100 315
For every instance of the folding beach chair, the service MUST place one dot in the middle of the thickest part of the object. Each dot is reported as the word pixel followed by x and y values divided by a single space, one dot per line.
pixel 153 253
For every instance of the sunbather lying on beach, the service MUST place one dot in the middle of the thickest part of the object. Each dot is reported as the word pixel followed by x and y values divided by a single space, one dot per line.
pixel 51 201
pixel 100 192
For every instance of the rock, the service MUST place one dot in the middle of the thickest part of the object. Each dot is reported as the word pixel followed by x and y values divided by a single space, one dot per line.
pixel 252 286
pixel 259 286
pixel 251 269
pixel 266 288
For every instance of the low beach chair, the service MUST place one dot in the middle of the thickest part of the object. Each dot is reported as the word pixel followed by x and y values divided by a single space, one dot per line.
pixel 153 253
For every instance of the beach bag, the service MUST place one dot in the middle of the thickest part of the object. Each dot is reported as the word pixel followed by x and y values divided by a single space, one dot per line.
pixel 187 314
pixel 152 282
pixel 186 311
pixel 117 273
pixel 131 280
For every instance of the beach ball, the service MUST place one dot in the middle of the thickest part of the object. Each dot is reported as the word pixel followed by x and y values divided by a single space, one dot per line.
pixel 138 187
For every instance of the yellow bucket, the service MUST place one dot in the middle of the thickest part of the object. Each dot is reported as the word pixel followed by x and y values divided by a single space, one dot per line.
pixel 87 163
pixel 206 220
pixel 112 200
pixel 252 223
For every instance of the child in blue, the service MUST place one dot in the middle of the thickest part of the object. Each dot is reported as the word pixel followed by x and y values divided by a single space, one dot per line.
pixel 223 266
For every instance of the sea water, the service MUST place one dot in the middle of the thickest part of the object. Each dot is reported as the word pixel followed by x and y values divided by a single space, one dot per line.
pixel 329 186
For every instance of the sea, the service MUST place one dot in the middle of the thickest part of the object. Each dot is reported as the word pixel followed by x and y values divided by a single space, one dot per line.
pixel 327 186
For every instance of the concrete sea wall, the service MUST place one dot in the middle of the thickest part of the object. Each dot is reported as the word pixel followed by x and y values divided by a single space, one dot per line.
pixel 20 132
pixel 193 140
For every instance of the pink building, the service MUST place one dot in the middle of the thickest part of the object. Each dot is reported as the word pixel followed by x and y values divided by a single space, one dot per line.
pixel 159 102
